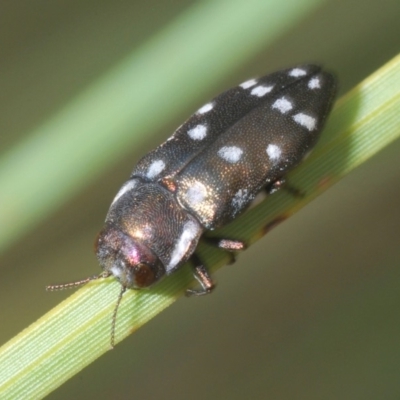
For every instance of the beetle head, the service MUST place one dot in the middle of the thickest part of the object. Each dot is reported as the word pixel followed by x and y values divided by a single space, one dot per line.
pixel 129 260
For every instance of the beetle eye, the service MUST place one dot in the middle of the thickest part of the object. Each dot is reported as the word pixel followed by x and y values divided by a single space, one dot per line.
pixel 144 275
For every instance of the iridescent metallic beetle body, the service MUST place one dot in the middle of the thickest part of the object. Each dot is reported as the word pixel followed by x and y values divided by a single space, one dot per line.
pixel 209 171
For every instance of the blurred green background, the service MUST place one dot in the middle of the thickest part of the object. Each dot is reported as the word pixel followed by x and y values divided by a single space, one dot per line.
pixel 309 312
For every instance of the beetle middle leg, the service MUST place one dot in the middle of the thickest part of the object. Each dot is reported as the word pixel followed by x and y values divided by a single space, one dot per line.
pixel 229 245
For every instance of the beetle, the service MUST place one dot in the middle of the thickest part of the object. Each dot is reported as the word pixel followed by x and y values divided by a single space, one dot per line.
pixel 207 173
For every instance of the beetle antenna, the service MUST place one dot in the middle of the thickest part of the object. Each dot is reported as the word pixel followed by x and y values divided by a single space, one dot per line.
pixel 114 317
pixel 72 285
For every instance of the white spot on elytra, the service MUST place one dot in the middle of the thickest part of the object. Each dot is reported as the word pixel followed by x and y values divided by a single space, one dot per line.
pixel 231 154
pixel 274 152
pixel 206 108
pixel 199 132
pixel 297 72
pixel 125 188
pixel 196 193
pixel 189 232
pixel 240 199
pixel 283 105
pixel 305 120
pixel 261 90
pixel 248 84
pixel 156 167
pixel 314 83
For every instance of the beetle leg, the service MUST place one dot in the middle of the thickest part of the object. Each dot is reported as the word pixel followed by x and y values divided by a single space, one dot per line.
pixel 229 245
pixel 201 274
pixel 282 183
pixel 226 244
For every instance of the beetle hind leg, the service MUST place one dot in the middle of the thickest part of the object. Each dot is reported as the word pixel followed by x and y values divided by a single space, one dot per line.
pixel 281 183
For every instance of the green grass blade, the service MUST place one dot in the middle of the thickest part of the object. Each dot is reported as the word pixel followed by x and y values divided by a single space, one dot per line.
pixel 117 112
pixel 76 332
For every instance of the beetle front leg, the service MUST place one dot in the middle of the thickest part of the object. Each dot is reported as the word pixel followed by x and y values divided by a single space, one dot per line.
pixel 202 275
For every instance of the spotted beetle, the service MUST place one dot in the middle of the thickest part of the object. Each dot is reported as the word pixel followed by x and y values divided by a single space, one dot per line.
pixel 207 173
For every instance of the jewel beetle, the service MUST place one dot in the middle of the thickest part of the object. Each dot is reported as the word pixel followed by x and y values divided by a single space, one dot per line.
pixel 207 173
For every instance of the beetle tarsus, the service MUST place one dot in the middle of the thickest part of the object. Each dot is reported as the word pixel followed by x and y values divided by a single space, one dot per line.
pixel 202 275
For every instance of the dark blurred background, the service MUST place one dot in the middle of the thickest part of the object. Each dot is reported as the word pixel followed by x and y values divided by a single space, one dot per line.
pixel 309 312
